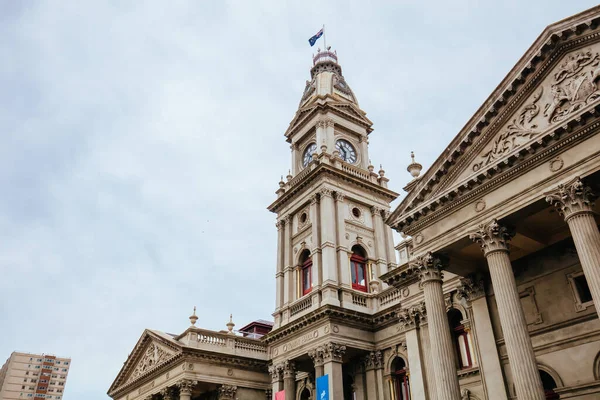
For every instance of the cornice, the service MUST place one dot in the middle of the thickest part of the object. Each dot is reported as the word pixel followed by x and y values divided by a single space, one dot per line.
pixel 505 170
pixel 322 106
pixel 336 172
pixel 485 122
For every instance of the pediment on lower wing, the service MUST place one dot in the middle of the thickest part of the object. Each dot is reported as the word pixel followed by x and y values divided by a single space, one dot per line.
pixel 152 350
pixel 556 81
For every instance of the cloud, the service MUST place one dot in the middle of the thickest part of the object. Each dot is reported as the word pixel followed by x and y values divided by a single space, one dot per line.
pixel 141 145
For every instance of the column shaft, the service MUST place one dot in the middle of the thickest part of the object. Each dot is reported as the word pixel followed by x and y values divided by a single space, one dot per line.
pixel 442 350
pixel 491 371
pixel 280 264
pixel 371 384
pixel 523 365
pixel 417 378
pixel 587 242
pixel 289 385
pixel 287 269
pixel 429 372
pixel 336 383
pixel 316 262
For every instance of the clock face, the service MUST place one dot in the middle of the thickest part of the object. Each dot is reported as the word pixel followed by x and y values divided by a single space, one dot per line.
pixel 307 157
pixel 347 152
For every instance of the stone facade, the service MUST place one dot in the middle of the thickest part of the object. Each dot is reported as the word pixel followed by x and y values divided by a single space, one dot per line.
pixel 492 294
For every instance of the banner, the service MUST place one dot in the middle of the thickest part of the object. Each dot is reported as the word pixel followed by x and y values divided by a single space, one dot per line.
pixel 280 395
pixel 323 388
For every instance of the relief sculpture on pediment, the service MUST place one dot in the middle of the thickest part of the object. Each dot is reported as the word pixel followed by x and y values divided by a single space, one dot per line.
pixel 569 88
pixel 153 356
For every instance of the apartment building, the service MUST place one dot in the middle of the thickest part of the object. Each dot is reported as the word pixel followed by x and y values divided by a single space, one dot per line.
pixel 33 376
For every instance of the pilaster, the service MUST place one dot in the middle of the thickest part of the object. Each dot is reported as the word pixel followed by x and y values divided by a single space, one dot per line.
pixel 409 320
pixel 289 380
pixel 280 264
pixel 380 245
pixel 328 244
pixel 317 273
pixel 493 239
pixel 332 366
pixel 288 264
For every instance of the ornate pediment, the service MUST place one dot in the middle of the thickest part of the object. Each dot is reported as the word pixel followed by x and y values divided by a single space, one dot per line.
pixel 571 86
pixel 153 355
pixel 548 91
pixel 152 350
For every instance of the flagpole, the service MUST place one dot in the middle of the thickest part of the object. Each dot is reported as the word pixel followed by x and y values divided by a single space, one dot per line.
pixel 324 38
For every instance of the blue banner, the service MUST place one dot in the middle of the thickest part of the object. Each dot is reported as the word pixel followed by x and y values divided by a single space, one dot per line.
pixel 323 388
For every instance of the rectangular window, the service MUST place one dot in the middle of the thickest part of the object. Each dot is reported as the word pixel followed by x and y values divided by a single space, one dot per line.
pixel 581 291
pixel 58 362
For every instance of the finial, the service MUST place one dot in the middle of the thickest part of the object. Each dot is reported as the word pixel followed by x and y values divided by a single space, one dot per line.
pixel 414 167
pixel 281 182
pixel 370 167
pixel 230 325
pixel 289 175
pixel 193 317
pixel 381 171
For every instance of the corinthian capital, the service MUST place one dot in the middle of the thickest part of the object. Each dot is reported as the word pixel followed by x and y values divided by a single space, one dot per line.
pixel 168 393
pixel 428 266
pixel 186 386
pixel 227 392
pixel 317 355
pixel 571 198
pixel 373 360
pixel 470 289
pixel 289 369
pixel 492 237
pixel 339 196
pixel 325 192
pixel 334 352
pixel 276 372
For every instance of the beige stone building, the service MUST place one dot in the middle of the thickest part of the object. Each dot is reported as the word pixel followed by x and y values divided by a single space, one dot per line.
pixel 33 376
pixel 491 294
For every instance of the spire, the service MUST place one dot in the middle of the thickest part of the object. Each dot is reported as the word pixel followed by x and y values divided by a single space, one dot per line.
pixel 414 167
pixel 193 317
pixel 230 325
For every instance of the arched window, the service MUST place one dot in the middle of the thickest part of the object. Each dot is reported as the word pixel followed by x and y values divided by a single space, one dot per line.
pixel 305 272
pixel 401 387
pixel 358 269
pixel 549 385
pixel 305 395
pixel 462 343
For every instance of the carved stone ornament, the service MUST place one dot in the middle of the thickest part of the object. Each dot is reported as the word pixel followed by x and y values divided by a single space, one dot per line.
pixel 556 164
pixel 516 134
pixel 571 198
pixel 310 88
pixel 276 372
pixel 470 289
pixel 186 386
pixel 227 392
pixel 428 267
pixel 575 85
pixel 289 369
pixel 314 199
pixel 325 192
pixel 373 360
pixel 339 196
pixel 169 393
pixel 376 211
pixel 492 237
pixel 317 355
pixel 153 356
pixel 409 318
pixel 334 352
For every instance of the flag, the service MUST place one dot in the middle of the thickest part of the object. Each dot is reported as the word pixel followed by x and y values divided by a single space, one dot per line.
pixel 313 39
pixel 280 395
pixel 322 388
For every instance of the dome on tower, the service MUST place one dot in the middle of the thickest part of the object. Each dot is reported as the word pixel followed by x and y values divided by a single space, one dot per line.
pixel 327 79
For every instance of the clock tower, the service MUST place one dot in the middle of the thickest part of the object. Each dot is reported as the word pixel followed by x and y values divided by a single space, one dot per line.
pixel 333 243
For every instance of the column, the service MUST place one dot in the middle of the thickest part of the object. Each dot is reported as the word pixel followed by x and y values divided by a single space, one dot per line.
pixel 332 366
pixel 227 392
pixel 317 275
pixel 288 265
pixel 276 372
pixel 409 320
pixel 389 238
pixel 429 373
pixel 329 265
pixel 494 239
pixel 185 388
pixel 317 356
pixel 289 380
pixel 442 351
pixel 472 291
pixel 373 362
pixel 280 263
pixel 359 382
pixel 574 202
pixel 342 252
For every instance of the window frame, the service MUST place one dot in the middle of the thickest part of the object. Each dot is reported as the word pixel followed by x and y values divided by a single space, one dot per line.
pixel 357 260
pixel 307 265
pixel 579 305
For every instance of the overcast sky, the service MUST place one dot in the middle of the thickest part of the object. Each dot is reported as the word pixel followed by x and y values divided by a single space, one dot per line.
pixel 141 142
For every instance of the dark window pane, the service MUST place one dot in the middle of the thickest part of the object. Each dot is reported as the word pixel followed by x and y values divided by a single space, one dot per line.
pixel 583 289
